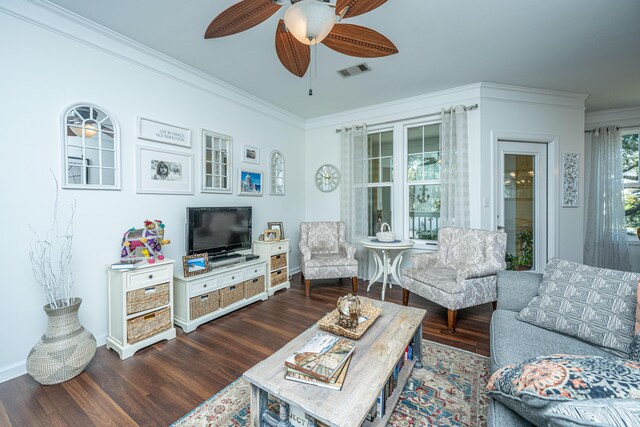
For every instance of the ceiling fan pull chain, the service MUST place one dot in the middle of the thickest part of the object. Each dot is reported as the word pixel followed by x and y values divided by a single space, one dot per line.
pixel 316 60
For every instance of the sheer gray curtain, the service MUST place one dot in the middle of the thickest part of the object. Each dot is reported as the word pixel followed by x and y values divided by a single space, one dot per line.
pixel 605 242
pixel 454 170
pixel 354 198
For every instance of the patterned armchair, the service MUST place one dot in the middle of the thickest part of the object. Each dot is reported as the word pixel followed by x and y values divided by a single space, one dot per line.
pixel 461 274
pixel 326 254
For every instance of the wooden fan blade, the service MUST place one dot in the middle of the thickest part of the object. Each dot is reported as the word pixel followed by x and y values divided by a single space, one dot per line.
pixel 295 56
pixel 355 40
pixel 357 7
pixel 241 16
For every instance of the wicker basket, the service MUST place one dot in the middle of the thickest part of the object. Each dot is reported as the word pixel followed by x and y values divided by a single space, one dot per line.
pixel 204 304
pixel 278 261
pixel 278 277
pixel 64 350
pixel 385 236
pixel 147 298
pixel 330 322
pixel 231 294
pixel 253 287
pixel 148 325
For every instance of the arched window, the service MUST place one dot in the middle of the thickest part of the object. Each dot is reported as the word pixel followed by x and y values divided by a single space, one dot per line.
pixel 276 169
pixel 91 158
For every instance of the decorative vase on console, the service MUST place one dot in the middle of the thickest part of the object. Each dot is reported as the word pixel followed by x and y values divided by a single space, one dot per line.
pixel 66 347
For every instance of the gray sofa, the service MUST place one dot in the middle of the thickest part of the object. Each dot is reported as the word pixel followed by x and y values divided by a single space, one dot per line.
pixel 513 341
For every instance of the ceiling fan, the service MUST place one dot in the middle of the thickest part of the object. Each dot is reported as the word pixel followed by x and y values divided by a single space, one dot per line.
pixel 305 23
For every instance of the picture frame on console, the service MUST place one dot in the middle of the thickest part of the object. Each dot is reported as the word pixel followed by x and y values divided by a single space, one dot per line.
pixel 271 235
pixel 195 264
pixel 276 226
pixel 249 183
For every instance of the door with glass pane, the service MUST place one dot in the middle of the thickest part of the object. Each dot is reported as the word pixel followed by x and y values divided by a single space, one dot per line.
pixel 522 210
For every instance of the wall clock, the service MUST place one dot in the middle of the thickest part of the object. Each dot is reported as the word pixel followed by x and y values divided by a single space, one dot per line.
pixel 327 178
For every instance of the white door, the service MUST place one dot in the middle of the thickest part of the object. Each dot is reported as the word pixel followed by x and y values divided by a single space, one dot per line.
pixel 522 198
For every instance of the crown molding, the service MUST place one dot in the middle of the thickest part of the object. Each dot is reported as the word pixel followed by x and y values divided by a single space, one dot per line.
pixel 508 93
pixel 58 20
pixel 397 110
pixel 614 115
pixel 432 103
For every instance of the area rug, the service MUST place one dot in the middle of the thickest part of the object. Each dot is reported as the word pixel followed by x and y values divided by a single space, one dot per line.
pixel 447 391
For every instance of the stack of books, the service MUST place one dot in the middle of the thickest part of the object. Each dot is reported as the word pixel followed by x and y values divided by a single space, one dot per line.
pixel 128 264
pixel 323 361
pixel 380 407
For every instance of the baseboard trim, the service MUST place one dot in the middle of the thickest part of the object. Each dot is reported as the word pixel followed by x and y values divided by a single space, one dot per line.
pixel 10 372
pixel 294 270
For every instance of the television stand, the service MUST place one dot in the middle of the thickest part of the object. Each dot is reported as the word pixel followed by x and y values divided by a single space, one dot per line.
pixel 207 296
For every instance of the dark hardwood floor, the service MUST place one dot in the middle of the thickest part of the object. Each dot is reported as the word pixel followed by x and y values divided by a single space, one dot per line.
pixel 161 383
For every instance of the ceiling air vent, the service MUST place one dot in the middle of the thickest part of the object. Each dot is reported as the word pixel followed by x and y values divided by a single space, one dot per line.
pixel 355 70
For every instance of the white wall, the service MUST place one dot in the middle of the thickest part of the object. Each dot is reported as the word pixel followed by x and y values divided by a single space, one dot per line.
pixel 536 115
pixel 323 143
pixel 530 114
pixel 46 70
pixel 623 117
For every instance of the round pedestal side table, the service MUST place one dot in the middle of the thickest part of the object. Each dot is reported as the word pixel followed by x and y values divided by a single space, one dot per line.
pixel 387 265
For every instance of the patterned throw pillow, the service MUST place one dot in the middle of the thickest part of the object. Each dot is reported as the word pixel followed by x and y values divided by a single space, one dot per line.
pixel 532 388
pixel 596 305
pixel 595 413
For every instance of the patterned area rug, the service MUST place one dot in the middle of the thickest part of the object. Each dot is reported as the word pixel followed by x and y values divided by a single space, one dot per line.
pixel 447 391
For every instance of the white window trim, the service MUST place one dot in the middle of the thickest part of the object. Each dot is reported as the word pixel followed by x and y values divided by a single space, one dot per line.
pixel 393 165
pixel 430 244
pixel 632 240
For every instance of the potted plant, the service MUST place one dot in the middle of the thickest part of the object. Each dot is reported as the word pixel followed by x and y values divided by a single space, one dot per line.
pixel 524 260
pixel 66 347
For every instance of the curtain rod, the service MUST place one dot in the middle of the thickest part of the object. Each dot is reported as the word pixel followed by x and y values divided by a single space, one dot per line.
pixel 448 110
pixel 617 127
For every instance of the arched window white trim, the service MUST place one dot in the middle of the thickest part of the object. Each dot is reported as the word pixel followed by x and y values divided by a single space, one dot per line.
pixel 91 148
pixel 276 174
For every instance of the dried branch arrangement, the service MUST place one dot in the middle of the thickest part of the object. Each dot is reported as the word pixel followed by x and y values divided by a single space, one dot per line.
pixel 51 259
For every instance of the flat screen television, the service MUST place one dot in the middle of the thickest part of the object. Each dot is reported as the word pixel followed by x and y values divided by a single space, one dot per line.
pixel 219 231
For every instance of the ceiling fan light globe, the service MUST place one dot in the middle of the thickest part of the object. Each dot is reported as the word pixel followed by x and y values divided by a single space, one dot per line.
pixel 89 129
pixel 310 21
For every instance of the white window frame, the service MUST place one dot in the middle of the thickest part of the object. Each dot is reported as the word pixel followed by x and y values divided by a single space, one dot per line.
pixel 226 144
pixel 632 239
pixel 431 244
pixel 389 184
pixel 72 143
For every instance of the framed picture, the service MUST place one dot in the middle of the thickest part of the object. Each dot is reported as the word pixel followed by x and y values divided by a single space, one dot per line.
pixel 249 183
pixel 152 130
pixel 251 154
pixel 164 171
pixel 570 168
pixel 271 235
pixel 276 226
pixel 217 173
pixel 195 264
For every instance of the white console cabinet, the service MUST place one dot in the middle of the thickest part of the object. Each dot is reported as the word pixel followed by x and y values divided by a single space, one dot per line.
pixel 201 298
pixel 277 256
pixel 140 307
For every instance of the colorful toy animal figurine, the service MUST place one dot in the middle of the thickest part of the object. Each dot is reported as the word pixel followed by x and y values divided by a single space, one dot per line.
pixel 144 243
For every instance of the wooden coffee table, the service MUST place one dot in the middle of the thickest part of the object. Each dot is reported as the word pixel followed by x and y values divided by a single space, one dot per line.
pixel 373 360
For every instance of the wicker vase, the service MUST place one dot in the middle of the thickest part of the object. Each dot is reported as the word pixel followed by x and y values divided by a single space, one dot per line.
pixel 64 350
